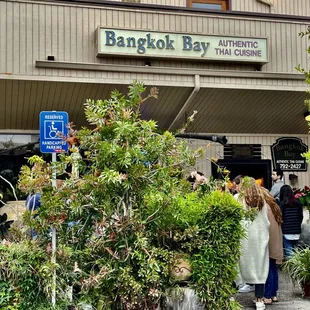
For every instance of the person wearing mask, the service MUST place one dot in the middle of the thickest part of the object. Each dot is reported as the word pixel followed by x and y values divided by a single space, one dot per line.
pixel 292 215
pixel 277 175
pixel 254 259
pixel 275 248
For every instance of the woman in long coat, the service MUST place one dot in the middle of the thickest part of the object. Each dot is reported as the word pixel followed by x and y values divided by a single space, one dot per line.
pixel 254 260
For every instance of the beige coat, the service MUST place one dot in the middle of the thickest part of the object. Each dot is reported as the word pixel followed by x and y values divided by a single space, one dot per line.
pixel 254 260
pixel 275 238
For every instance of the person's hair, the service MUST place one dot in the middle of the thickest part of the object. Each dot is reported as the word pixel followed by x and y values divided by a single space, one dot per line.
pixel 192 177
pixel 287 196
pixel 279 172
pixel 200 173
pixel 255 196
pixel 272 203
pixel 237 180
pixel 252 194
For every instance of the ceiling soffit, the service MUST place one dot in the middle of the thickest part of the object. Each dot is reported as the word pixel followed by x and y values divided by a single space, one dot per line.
pixel 219 110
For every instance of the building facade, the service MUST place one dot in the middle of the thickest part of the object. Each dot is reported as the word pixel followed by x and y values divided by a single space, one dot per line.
pixel 233 61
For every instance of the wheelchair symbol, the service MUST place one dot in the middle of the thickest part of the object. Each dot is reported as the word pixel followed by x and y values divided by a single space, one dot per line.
pixel 52 128
pixel 53 131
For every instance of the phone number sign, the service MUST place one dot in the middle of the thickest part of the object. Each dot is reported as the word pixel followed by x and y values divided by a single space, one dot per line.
pixel 286 154
pixel 52 130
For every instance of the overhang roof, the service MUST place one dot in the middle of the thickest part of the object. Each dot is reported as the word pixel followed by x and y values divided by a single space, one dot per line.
pixel 220 110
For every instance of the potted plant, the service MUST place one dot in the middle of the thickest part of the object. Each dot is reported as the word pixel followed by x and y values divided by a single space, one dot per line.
pixel 304 197
pixel 298 269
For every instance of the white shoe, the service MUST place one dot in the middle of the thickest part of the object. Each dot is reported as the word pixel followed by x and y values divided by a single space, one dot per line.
pixel 246 288
pixel 260 305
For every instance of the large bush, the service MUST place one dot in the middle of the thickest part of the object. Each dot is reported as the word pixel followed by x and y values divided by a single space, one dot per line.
pixel 123 220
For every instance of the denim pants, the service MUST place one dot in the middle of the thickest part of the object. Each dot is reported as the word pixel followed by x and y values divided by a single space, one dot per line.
pixel 259 290
pixel 289 246
pixel 272 283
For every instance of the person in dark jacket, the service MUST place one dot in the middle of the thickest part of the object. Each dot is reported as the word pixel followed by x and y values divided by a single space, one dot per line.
pixel 292 216
pixel 33 203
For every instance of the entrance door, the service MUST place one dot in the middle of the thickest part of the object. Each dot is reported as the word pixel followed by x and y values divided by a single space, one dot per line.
pixel 248 167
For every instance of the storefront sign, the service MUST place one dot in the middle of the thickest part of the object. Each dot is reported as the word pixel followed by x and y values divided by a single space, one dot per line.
pixel 179 45
pixel 286 154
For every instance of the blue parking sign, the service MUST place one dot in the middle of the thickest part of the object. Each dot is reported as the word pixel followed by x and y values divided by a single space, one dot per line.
pixel 52 130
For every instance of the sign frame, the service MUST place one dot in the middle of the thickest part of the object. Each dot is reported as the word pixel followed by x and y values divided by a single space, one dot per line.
pixel 299 163
pixel 100 53
pixel 52 123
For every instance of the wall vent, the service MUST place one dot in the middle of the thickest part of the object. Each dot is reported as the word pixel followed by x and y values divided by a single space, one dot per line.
pixel 243 151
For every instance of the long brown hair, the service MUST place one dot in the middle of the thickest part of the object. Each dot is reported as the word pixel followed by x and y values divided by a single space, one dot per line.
pixel 251 193
pixel 272 203
pixel 255 196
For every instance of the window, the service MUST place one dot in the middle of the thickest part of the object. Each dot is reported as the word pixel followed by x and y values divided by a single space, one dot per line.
pixel 208 4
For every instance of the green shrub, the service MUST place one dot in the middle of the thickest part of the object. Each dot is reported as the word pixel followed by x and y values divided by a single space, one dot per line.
pixel 26 273
pixel 122 222
pixel 214 265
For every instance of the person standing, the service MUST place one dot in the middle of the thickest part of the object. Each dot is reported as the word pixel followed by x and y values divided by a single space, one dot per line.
pixel 292 214
pixel 33 203
pixel 254 260
pixel 275 248
pixel 236 186
pixel 277 175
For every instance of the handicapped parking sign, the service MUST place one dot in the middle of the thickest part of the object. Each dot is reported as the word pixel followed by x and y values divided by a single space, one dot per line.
pixel 53 129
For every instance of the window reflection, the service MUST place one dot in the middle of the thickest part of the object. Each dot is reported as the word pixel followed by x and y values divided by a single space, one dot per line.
pixel 207 6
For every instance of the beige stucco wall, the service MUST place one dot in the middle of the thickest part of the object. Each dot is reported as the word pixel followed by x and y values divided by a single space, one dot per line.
pixel 216 150
pixel 31 31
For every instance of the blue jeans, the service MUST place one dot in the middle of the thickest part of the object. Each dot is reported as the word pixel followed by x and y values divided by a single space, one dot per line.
pixel 289 246
pixel 259 290
pixel 272 283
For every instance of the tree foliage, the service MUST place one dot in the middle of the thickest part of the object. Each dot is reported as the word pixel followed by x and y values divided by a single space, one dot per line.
pixel 122 221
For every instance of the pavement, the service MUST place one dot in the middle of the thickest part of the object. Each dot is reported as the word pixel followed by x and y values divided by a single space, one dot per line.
pixel 290 297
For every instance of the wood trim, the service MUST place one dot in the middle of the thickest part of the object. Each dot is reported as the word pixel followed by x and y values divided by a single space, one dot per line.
pixel 224 3
pixel 168 71
pixel 171 9
pixel 19 132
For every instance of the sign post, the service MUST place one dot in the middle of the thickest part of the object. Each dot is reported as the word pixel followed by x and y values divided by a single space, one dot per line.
pixel 52 130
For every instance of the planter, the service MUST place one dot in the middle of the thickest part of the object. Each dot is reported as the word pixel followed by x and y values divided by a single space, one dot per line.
pixel 305 235
pixel 306 215
pixel 306 290
pixel 181 270
pixel 14 209
pixel 183 299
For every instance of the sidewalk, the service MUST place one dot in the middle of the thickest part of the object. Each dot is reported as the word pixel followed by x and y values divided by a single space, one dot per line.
pixel 290 297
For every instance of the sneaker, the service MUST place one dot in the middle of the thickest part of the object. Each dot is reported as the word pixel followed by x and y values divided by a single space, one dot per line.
pixel 260 305
pixel 246 288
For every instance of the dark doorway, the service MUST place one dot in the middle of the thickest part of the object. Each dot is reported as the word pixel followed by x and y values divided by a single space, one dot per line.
pixel 250 167
pixel 11 161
